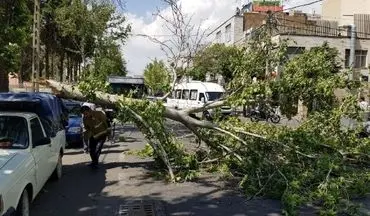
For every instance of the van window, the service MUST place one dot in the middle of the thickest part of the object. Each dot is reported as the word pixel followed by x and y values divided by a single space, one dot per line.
pixel 193 94
pixel 185 94
pixel 213 96
pixel 201 95
pixel 178 94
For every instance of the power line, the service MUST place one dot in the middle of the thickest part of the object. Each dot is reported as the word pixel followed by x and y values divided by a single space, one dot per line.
pixel 302 5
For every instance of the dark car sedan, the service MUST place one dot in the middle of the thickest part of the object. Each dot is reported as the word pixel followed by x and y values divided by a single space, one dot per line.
pixel 74 130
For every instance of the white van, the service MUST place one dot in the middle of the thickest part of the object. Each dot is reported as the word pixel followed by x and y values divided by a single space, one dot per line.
pixel 196 94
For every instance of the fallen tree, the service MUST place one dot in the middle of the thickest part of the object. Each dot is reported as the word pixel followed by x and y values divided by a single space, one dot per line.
pixel 317 163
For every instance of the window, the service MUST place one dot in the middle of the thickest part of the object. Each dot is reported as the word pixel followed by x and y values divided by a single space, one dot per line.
pixel 185 94
pixel 178 94
pixel 218 37
pixel 193 94
pixel 201 96
pixel 13 132
pixel 212 96
pixel 228 33
pixel 36 130
pixel 294 51
pixel 360 59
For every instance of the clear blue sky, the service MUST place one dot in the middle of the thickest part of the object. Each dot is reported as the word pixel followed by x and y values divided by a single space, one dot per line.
pixel 142 7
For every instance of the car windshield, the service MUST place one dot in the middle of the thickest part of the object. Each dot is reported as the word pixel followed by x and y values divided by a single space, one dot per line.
pixel 74 111
pixel 13 132
pixel 212 96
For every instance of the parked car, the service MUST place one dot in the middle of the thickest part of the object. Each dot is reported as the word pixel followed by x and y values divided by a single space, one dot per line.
pixel 74 129
pixel 32 142
pixel 197 94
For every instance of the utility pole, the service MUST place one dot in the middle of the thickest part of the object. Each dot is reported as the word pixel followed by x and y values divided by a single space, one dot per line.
pixel 352 52
pixel 269 27
pixel 36 47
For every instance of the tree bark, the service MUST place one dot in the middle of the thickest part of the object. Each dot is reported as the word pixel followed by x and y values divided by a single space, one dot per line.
pixel 4 78
pixel 75 71
pixel 52 66
pixel 61 67
pixel 47 62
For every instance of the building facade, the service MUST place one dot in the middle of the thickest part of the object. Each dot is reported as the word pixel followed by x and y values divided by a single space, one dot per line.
pixel 229 32
pixel 303 33
pixel 345 11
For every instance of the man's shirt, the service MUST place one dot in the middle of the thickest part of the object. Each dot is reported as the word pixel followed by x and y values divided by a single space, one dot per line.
pixel 95 124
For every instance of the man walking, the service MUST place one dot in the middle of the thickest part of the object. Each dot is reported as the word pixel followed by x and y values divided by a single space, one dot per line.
pixel 85 134
pixel 95 123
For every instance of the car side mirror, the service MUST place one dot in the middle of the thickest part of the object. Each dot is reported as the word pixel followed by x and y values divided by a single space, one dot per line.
pixel 202 100
pixel 43 141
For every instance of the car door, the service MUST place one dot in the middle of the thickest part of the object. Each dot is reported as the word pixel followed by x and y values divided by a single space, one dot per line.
pixel 194 98
pixel 42 154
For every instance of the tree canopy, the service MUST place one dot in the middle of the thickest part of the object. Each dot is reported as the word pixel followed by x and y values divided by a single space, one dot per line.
pixel 157 77
pixel 15 31
pixel 217 59
pixel 74 34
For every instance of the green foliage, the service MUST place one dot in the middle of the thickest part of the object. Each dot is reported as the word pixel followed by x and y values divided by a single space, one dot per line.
pixel 107 60
pixel 217 59
pixel 320 162
pixel 157 77
pixel 146 152
pixel 253 61
pixel 15 22
pixel 152 126
pixel 311 77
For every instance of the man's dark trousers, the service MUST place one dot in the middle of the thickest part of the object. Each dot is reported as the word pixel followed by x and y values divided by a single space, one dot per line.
pixel 95 147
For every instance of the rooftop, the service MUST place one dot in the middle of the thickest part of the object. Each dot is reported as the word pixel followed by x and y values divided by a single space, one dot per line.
pixel 138 80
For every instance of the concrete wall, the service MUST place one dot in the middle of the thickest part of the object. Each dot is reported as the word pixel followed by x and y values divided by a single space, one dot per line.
pixel 236 23
pixel 343 10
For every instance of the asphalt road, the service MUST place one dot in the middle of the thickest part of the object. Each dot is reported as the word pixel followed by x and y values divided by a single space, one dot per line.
pixel 124 178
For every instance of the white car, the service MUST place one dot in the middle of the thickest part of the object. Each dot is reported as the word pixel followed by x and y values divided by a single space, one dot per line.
pixel 28 157
pixel 196 94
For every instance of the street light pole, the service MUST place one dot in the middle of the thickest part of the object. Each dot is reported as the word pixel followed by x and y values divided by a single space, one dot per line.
pixel 36 47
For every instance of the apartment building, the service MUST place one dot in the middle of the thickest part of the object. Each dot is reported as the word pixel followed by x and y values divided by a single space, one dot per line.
pixel 229 32
pixel 303 33
pixel 346 12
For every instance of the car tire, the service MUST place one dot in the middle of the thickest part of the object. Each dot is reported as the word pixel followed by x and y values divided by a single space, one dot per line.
pixel 254 117
pixel 275 119
pixel 23 208
pixel 58 172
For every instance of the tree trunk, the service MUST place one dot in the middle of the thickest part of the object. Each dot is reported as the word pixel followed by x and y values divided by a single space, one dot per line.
pixel 52 66
pixel 61 66
pixel 75 71
pixel 4 79
pixel 47 62
pixel 68 77
pixel 22 70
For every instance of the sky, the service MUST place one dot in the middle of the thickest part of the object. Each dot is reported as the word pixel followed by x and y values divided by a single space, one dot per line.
pixel 139 51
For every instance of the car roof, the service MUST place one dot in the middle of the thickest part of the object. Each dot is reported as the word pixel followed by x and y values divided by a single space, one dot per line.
pixel 26 115
pixel 201 86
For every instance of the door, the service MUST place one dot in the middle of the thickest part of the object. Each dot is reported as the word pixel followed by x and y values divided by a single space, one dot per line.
pixel 194 99
pixel 178 97
pixel 42 154
pixel 184 102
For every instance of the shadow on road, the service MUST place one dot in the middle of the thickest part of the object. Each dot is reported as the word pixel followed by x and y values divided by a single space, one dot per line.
pixel 82 192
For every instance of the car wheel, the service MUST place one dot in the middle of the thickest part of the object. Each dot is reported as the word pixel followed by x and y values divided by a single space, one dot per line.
pixel 254 117
pixel 207 116
pixel 275 119
pixel 23 208
pixel 58 172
